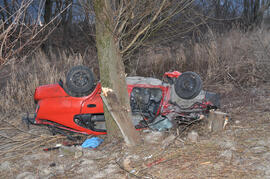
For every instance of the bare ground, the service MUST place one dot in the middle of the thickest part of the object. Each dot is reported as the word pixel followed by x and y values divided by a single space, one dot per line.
pixel 241 151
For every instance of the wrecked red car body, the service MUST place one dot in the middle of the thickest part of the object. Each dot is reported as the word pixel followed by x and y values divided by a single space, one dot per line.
pixel 154 103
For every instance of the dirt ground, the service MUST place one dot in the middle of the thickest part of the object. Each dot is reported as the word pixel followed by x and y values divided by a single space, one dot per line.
pixel 240 151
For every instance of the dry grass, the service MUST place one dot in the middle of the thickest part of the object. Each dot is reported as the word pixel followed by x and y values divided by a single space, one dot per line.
pixel 22 79
pixel 242 60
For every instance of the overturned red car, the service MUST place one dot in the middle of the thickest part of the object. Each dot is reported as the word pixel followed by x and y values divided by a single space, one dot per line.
pixel 158 104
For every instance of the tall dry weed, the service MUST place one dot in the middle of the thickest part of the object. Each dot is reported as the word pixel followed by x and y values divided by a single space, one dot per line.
pixel 242 59
pixel 17 95
pixel 236 58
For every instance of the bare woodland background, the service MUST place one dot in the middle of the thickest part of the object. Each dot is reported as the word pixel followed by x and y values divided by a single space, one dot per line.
pixel 226 42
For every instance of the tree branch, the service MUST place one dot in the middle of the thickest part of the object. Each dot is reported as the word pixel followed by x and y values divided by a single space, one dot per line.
pixel 144 29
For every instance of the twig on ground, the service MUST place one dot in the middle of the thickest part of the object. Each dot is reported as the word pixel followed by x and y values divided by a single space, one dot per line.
pixel 127 170
pixel 15 127
pixel 182 131
pixel 41 141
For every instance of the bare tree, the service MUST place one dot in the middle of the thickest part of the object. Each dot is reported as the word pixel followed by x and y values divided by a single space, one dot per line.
pixel 48 11
pixel 113 77
pixel 14 31
pixel 22 33
pixel 7 11
pixel 253 11
pixel 121 27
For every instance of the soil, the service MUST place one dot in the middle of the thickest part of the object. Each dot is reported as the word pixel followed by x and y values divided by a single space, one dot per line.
pixel 242 150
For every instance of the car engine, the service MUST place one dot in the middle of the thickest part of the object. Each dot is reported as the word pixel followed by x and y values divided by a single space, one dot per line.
pixel 145 102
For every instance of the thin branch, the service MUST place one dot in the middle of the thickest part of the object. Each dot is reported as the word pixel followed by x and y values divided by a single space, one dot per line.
pixel 121 11
pixel 144 29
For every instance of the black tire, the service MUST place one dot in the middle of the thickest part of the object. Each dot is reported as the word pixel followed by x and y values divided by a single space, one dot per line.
pixel 79 81
pixel 188 85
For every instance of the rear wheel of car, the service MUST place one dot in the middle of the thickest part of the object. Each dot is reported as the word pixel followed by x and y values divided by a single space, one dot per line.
pixel 79 81
pixel 188 85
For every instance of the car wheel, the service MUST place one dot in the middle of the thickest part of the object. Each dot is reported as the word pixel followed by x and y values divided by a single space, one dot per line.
pixel 188 85
pixel 79 81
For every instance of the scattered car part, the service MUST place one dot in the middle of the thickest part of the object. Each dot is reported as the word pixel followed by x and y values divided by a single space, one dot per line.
pixel 58 146
pixel 161 123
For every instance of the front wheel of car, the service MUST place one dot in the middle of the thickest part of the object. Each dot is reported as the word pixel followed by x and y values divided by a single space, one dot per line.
pixel 79 81
pixel 188 85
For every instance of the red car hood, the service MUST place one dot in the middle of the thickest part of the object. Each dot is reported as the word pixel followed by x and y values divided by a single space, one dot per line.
pixel 49 91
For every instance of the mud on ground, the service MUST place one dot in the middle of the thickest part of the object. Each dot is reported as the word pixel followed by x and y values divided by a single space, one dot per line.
pixel 241 151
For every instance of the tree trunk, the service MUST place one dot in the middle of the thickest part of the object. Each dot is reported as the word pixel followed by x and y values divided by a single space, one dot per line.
pixel 217 9
pixel 246 12
pixel 67 23
pixel 47 11
pixel 256 12
pixel 112 76
pixel 8 13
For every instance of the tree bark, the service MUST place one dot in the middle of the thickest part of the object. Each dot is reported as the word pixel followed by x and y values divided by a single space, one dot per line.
pixel 112 74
